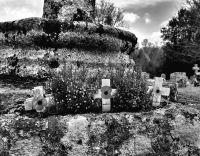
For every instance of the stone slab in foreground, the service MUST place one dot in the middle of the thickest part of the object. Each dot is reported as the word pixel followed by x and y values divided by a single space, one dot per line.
pixel 175 129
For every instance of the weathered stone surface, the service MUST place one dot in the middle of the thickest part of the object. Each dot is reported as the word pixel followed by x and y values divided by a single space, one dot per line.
pixel 27 147
pixel 174 130
pixel 77 135
pixel 141 145
pixel 180 78
pixel 75 10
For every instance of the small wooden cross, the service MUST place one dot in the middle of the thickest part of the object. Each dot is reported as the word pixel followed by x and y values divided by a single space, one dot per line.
pixel 105 93
pixel 158 91
pixel 196 69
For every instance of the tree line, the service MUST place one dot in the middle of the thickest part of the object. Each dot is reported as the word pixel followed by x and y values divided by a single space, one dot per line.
pixel 182 44
pixel 182 37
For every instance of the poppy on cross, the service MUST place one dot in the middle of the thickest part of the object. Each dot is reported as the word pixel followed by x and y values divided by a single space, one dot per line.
pixel 39 101
pixel 105 93
pixel 159 91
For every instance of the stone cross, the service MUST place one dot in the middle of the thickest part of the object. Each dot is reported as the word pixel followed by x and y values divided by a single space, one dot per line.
pixel 105 93
pixel 159 91
pixel 174 77
pixel 196 69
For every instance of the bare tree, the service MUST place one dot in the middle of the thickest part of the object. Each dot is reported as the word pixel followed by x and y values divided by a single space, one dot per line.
pixel 106 13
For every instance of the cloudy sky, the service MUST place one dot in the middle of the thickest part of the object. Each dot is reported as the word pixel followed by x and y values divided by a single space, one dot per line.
pixel 146 17
pixel 18 9
pixel 143 17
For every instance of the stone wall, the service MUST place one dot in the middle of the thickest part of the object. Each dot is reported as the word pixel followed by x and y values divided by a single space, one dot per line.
pixel 76 10
pixel 174 130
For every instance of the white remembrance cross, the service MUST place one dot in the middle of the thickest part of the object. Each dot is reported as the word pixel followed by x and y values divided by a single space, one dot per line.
pixel 158 91
pixel 196 69
pixel 106 93
pixel 37 91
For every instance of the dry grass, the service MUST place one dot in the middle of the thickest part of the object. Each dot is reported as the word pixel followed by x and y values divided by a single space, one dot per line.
pixel 190 91
pixel 189 95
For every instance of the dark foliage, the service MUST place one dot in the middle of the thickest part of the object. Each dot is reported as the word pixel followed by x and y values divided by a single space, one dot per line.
pixel 52 27
pixel 71 95
pixel 13 60
pixel 74 92
pixel 47 34
pixel 132 92
pixel 182 37
pixel 53 62
pixel 80 15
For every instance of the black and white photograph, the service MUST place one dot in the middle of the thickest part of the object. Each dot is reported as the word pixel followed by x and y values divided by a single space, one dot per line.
pixel 99 77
